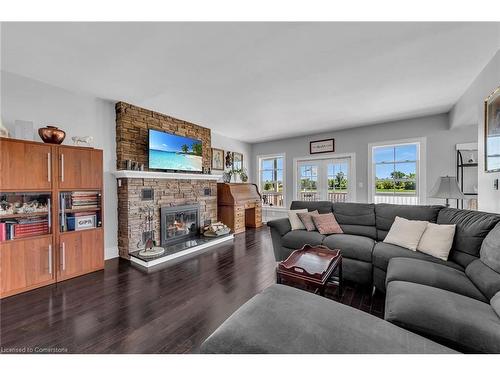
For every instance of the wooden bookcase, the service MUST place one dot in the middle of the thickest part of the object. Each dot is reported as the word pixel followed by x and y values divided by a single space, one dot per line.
pixel 51 176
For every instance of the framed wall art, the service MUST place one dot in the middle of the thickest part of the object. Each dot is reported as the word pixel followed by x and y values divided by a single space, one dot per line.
pixel 492 132
pixel 217 159
pixel 322 146
pixel 237 161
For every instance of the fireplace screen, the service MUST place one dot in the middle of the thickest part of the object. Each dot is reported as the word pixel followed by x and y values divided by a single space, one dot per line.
pixel 178 222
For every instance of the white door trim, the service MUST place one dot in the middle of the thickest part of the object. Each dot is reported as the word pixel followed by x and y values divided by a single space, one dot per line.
pixel 352 167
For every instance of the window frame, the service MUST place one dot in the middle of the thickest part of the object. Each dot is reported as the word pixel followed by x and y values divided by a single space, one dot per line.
pixel 421 166
pixel 259 170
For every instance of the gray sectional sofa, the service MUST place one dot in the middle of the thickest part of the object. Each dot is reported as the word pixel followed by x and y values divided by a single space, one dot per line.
pixel 454 302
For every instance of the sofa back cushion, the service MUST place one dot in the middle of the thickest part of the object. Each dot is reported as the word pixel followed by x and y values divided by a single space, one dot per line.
pixel 386 213
pixel 356 218
pixel 323 207
pixel 490 249
pixel 484 278
pixel 472 228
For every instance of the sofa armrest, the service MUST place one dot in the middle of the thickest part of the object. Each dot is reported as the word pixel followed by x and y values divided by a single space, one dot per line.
pixel 282 226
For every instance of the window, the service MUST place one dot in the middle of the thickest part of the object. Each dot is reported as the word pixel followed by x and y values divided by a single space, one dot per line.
pixel 271 180
pixel 395 173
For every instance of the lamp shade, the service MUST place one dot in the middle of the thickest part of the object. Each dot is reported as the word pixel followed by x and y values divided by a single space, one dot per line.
pixel 447 188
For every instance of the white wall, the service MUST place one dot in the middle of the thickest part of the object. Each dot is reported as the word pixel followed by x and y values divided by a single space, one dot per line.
pixel 77 114
pixel 80 114
pixel 470 110
pixel 440 153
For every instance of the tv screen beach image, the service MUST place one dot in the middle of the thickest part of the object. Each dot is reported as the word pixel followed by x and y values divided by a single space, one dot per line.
pixel 169 151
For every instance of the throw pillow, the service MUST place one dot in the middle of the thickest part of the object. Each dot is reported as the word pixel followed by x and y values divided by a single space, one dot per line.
pixel 490 249
pixel 327 224
pixel 406 233
pixel 437 240
pixel 495 303
pixel 307 220
pixel 295 222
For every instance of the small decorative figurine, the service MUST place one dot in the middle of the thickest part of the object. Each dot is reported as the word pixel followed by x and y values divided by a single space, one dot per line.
pixel 85 140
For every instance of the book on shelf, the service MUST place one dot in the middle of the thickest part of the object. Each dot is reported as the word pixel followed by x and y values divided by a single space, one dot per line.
pixel 82 200
pixel 12 229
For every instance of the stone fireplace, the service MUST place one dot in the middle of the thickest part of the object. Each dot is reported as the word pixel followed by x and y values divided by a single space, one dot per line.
pixel 179 223
pixel 169 195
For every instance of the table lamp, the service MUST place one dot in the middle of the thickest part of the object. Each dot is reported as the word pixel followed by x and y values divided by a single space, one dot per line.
pixel 447 188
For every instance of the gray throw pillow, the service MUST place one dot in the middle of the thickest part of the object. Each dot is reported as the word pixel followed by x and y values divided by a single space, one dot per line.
pixel 490 249
pixel 495 303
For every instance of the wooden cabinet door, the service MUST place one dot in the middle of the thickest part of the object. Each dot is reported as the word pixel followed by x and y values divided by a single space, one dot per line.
pixel 79 168
pixel 25 165
pixel 26 264
pixel 80 252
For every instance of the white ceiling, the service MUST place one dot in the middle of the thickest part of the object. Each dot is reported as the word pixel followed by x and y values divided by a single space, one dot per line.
pixel 260 81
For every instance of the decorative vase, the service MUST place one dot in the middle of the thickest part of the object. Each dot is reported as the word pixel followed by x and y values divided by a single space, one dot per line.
pixel 226 177
pixel 52 134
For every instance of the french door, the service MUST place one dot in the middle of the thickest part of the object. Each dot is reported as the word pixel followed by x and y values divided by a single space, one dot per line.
pixel 324 179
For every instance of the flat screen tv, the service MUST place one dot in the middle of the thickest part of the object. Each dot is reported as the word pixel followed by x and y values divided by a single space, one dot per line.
pixel 173 152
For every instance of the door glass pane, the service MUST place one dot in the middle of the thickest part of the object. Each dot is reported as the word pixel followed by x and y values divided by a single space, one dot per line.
pixel 338 181
pixel 308 182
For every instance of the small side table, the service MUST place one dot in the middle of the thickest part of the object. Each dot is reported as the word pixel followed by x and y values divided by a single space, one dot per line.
pixel 314 266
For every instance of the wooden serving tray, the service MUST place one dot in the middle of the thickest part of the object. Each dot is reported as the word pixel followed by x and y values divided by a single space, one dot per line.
pixel 310 262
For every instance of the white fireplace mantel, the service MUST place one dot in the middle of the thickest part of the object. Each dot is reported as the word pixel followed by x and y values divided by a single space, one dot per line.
pixel 166 175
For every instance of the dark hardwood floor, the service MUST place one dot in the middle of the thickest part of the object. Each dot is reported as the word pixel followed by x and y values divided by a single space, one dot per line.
pixel 172 310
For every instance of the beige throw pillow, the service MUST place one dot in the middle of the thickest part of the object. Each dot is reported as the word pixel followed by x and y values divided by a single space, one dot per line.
pixel 307 220
pixel 295 222
pixel 406 233
pixel 437 240
pixel 327 224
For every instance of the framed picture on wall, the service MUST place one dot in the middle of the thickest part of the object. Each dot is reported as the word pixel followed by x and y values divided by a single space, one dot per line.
pixel 492 132
pixel 321 146
pixel 217 159
pixel 237 161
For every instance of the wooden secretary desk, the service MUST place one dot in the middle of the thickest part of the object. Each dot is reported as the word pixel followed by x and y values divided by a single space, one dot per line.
pixel 51 215
pixel 239 205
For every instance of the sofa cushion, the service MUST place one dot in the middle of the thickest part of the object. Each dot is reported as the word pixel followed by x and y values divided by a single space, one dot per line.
pixel 406 233
pixel 437 240
pixel 484 278
pixel 326 224
pixel 386 213
pixel 384 252
pixel 351 246
pixel 432 274
pixel 284 320
pixel 458 321
pixel 306 218
pixel 490 249
pixel 472 228
pixel 323 207
pixel 356 218
pixel 295 221
pixel 295 239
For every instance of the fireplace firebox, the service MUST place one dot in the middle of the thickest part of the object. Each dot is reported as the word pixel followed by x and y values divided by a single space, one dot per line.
pixel 178 223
